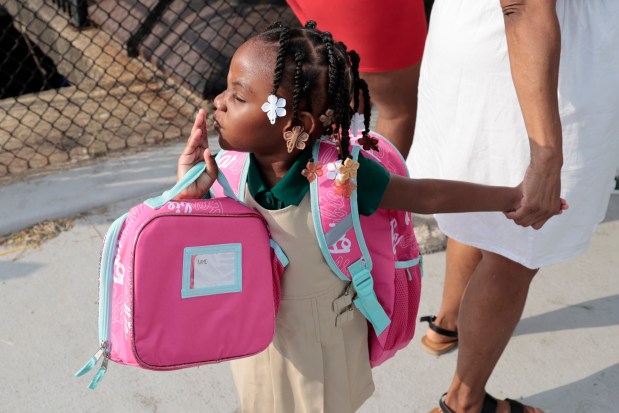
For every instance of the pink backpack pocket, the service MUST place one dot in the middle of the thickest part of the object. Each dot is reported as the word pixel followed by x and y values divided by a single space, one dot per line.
pixel 186 283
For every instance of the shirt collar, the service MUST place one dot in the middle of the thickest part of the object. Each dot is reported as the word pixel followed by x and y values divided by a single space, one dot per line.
pixel 291 189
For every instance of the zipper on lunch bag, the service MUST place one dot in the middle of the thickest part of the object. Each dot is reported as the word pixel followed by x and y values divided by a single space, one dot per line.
pixel 108 255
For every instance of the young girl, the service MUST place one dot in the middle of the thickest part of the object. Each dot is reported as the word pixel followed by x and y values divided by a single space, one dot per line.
pixel 288 87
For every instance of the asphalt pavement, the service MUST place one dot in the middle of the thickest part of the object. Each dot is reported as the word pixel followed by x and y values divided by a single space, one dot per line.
pixel 564 356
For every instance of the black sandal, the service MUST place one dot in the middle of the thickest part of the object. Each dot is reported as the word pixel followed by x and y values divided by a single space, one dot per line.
pixel 434 347
pixel 489 406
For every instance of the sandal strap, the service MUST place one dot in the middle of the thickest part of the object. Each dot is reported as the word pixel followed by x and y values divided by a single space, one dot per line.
pixel 443 406
pixel 490 405
pixel 430 320
pixel 515 407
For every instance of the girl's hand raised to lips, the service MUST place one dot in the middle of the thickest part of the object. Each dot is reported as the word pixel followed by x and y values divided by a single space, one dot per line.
pixel 195 151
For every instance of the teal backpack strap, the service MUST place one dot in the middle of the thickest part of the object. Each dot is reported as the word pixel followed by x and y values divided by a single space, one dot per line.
pixel 367 301
pixel 339 234
pixel 186 180
pixel 335 239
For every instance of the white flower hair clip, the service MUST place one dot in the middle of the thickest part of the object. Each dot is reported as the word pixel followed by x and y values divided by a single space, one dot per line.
pixel 274 107
pixel 357 123
pixel 333 170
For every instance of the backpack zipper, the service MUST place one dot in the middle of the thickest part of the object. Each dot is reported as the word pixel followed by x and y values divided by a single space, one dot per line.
pixel 108 255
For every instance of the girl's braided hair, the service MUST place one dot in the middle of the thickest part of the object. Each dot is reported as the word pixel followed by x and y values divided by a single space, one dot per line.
pixel 320 72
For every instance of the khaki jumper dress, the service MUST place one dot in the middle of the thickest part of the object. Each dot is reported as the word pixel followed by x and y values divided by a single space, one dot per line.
pixel 318 360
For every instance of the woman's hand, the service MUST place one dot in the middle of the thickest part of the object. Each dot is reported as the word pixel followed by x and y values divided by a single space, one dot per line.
pixel 195 151
pixel 538 202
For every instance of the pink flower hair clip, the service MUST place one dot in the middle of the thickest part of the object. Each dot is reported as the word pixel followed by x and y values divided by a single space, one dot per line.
pixel 312 171
pixel 344 188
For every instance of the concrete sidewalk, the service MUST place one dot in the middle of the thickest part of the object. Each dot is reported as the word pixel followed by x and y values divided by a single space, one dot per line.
pixel 564 356
pixel 82 189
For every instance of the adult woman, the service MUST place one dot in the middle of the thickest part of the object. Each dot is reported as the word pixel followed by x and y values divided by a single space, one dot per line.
pixel 490 78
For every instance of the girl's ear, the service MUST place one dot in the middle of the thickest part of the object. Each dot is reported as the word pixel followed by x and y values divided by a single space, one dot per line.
pixel 308 121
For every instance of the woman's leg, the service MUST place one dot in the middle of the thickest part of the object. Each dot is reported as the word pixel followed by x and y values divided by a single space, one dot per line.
pixel 491 307
pixel 395 95
pixel 461 261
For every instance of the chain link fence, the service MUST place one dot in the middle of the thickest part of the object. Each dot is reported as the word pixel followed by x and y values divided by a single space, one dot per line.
pixel 81 79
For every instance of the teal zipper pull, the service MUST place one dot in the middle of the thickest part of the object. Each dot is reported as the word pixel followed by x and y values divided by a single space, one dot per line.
pixel 97 378
pixel 90 364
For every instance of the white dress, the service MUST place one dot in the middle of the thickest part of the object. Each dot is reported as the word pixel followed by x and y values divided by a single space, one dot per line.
pixel 469 125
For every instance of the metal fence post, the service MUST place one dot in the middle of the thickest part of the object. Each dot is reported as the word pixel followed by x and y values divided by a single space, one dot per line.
pixel 77 11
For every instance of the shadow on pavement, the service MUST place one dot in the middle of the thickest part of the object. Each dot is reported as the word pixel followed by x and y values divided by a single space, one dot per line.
pixel 596 393
pixel 12 269
pixel 601 312
pixel 612 214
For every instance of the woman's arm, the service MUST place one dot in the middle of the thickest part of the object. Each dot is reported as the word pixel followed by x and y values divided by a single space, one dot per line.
pixel 534 44
pixel 429 196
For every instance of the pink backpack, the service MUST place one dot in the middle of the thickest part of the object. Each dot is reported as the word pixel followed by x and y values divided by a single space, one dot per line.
pixel 379 253
pixel 174 276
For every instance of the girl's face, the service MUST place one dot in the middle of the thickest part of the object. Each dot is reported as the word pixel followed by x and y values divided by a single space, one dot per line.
pixel 238 118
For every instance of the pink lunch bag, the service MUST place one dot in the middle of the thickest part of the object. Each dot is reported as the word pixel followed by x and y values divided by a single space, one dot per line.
pixel 186 283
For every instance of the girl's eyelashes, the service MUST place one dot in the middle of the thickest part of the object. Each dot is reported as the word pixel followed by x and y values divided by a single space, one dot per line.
pixel 238 98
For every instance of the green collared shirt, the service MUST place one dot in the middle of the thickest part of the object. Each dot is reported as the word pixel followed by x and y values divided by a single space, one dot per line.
pixel 372 180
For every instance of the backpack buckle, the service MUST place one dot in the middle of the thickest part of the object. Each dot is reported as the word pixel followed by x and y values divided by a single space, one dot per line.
pixel 363 283
pixel 366 300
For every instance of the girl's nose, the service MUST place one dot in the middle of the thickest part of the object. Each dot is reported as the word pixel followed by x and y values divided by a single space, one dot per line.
pixel 220 101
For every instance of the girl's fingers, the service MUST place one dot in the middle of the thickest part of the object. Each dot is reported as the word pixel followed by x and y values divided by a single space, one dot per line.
pixel 191 154
pixel 209 160
pixel 510 215
pixel 211 165
pixel 207 179
pixel 199 122
pixel 194 142
pixel 204 136
pixel 196 139
pixel 204 122
pixel 194 151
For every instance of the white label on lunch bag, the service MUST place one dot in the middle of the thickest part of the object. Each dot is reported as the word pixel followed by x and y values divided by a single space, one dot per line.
pixel 213 269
